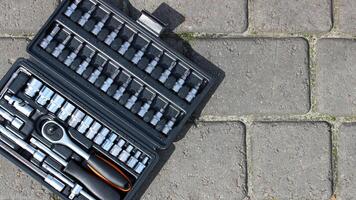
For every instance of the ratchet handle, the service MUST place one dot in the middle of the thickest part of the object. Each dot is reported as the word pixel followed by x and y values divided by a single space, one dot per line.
pixel 109 172
pixel 92 183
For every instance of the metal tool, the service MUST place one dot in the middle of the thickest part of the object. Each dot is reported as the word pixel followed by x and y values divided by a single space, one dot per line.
pixel 179 84
pixel 125 154
pixel 70 10
pixel 124 47
pixel 55 103
pixel 52 181
pixel 100 137
pixel 19 105
pixel 93 130
pixel 108 143
pixel 152 65
pixel 77 117
pixel 46 41
pixel 14 121
pixel 138 56
pixel 44 96
pixel 169 125
pixel 95 75
pixel 99 26
pixel 84 19
pixel 85 124
pixel 144 109
pixel 117 148
pixel 84 65
pixel 113 35
pixel 157 117
pixel 94 184
pixel 110 80
pixel 141 165
pixel 119 92
pixel 66 111
pixel 165 75
pixel 193 93
pixel 72 56
pixel 33 86
pixel 134 159
pixel 38 155
pixel 59 49
pixel 76 188
pixel 56 134
pixel 133 99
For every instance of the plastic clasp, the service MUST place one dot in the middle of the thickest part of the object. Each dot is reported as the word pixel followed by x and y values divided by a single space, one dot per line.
pixel 151 23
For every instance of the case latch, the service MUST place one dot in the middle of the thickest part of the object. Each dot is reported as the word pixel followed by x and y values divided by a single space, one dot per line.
pixel 151 23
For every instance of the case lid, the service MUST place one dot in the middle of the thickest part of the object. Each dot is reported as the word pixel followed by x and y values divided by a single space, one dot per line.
pixel 176 106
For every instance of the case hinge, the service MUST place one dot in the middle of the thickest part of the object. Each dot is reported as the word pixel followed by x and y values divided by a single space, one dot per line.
pixel 151 23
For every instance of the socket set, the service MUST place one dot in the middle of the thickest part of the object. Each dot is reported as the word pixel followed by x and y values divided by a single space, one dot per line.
pixel 101 95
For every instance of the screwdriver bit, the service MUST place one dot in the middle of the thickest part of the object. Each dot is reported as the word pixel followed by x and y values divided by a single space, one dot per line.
pixel 165 75
pixel 58 50
pixel 44 44
pixel 72 8
pixel 124 47
pixel 179 84
pixel 110 80
pixel 112 36
pixel 99 26
pixel 132 100
pixel 95 75
pixel 152 65
pixel 138 56
pixel 84 19
pixel 72 56
pixel 84 65
pixel 118 94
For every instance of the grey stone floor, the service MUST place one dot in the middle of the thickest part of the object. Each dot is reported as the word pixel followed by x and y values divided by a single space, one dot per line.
pixel 282 125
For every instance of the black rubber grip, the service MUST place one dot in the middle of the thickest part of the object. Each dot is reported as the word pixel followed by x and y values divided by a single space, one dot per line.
pixel 94 184
pixel 109 172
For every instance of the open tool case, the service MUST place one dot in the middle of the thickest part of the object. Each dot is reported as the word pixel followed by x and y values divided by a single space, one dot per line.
pixel 117 90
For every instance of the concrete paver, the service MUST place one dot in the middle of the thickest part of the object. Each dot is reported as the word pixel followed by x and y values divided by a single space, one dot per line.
pixel 290 160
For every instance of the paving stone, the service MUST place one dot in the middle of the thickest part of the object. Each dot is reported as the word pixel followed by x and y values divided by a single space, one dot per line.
pixel 209 163
pixel 24 16
pixel 347 162
pixel 200 15
pixel 16 185
pixel 263 76
pixel 290 161
pixel 10 51
pixel 336 78
pixel 347 16
pixel 292 15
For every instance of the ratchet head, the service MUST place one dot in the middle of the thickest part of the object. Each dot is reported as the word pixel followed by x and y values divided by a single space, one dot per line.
pixel 54 132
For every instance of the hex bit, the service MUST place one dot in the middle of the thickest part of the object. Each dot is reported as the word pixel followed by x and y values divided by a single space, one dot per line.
pixel 169 126
pixel 46 41
pixel 152 65
pixel 113 35
pixel 84 19
pixel 110 80
pixel 179 84
pixel 119 92
pixel 157 117
pixel 133 99
pixel 165 75
pixel 138 56
pixel 95 75
pixel 71 8
pixel 72 56
pixel 193 92
pixel 99 26
pixel 144 109
pixel 59 48
pixel 84 65
pixel 124 47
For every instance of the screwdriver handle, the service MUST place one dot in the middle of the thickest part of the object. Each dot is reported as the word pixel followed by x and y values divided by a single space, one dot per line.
pixel 109 172
pixel 94 184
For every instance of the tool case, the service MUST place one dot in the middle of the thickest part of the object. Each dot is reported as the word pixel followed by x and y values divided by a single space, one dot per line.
pixel 113 86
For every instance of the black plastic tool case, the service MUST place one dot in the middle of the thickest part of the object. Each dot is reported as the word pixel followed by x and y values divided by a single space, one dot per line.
pixel 75 88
